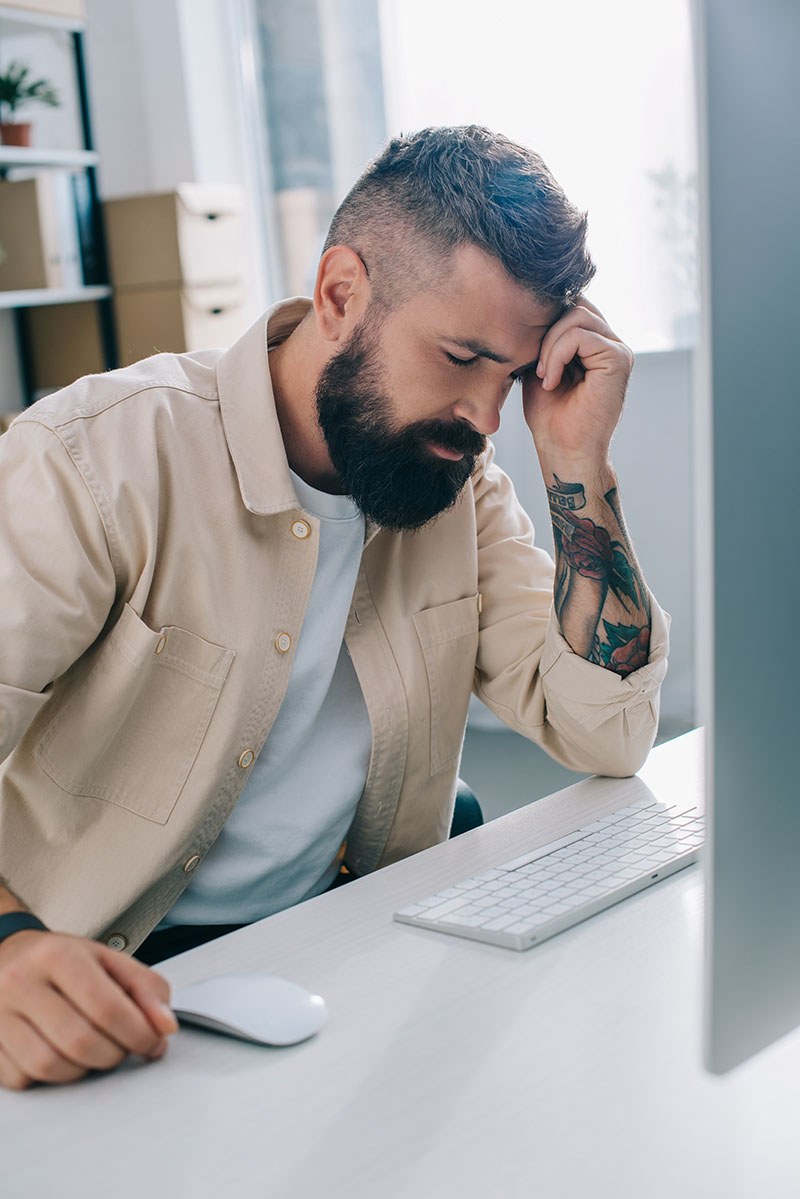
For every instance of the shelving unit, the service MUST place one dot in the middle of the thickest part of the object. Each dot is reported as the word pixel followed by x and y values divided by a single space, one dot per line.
pixel 85 158
pixel 50 295
pixel 23 156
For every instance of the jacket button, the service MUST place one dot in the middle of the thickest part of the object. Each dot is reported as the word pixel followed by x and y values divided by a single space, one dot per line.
pixel 283 642
pixel 191 863
pixel 301 530
pixel 162 641
pixel 246 759
pixel 116 941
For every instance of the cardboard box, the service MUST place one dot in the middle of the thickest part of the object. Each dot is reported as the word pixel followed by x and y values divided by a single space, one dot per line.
pixel 175 319
pixel 190 237
pixel 65 343
pixel 74 9
pixel 39 233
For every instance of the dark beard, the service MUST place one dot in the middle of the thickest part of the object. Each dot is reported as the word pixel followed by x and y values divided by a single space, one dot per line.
pixel 390 472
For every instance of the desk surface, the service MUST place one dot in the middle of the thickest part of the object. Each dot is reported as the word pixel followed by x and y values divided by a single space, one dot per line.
pixel 448 1068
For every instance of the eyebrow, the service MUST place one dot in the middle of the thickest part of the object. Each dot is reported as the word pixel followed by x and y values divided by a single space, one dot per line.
pixel 481 351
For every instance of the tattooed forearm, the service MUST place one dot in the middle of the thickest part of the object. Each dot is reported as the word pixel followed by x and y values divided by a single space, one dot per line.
pixel 624 648
pixel 599 595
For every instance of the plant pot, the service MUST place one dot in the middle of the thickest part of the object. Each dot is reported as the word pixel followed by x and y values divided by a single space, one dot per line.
pixel 15 134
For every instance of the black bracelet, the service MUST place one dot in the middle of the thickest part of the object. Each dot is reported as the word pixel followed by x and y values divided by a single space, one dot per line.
pixel 15 922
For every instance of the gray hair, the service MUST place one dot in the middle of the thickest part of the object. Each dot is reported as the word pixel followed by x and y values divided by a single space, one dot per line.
pixel 429 193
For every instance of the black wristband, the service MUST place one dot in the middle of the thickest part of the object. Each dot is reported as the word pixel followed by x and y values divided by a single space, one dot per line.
pixel 15 922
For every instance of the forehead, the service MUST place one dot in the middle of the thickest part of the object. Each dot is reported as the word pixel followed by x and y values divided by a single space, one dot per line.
pixel 478 300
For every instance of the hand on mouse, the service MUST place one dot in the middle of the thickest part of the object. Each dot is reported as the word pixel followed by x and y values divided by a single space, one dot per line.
pixel 69 1005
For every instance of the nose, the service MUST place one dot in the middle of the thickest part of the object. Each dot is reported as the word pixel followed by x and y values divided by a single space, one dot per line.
pixel 482 413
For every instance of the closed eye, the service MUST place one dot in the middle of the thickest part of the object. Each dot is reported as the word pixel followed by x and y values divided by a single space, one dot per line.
pixel 516 377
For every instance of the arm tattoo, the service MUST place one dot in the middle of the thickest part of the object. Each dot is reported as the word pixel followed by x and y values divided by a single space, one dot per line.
pixel 566 496
pixel 624 650
pixel 584 548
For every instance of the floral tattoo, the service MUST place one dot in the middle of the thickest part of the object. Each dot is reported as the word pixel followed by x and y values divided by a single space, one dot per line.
pixel 625 650
pixel 587 549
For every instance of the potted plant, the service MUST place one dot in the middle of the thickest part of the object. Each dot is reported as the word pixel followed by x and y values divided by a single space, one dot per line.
pixel 17 88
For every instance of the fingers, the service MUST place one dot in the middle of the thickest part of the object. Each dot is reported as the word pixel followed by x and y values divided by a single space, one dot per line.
pixel 68 1005
pixel 32 1056
pixel 11 1076
pixel 584 303
pixel 92 989
pixel 149 990
pixel 70 1033
pixel 587 317
pixel 579 317
pixel 595 351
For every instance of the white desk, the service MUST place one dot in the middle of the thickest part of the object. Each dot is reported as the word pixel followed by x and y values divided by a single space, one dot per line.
pixel 449 1069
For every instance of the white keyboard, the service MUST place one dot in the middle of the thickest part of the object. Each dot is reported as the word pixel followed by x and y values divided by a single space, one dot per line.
pixel 542 893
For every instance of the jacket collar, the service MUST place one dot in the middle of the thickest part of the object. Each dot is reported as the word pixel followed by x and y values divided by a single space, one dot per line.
pixel 249 418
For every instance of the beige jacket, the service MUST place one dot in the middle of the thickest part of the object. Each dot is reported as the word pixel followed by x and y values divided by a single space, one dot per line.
pixel 155 567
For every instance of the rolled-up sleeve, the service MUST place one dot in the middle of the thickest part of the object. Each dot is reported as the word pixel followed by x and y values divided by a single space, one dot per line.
pixel 609 721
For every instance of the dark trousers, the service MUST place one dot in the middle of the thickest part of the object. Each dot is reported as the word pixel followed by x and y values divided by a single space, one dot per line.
pixel 167 942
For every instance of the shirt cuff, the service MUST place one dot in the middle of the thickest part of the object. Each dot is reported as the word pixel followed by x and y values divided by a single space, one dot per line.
pixel 593 693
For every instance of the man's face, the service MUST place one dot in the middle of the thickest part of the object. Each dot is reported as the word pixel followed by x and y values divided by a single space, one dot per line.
pixel 406 404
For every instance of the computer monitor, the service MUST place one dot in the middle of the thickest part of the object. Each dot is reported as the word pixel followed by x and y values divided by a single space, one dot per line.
pixel 748 495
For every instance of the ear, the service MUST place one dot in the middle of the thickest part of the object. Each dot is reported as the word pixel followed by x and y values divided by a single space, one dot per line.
pixel 341 293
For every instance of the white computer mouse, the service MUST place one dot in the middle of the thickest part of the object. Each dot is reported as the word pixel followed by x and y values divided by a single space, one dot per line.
pixel 255 1007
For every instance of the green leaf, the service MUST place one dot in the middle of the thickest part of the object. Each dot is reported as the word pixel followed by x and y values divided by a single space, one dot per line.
pixel 17 89
pixel 619 634
pixel 621 578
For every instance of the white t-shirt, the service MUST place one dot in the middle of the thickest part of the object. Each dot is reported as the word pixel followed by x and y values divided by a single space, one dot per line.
pixel 279 844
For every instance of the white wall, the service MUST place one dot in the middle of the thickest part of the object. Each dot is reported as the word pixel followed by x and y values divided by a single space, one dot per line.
pixel 166 91
pixel 138 96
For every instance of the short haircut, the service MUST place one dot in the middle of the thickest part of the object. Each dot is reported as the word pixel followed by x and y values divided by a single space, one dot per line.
pixel 431 192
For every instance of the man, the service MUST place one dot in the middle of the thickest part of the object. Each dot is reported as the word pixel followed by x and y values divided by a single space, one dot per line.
pixel 246 599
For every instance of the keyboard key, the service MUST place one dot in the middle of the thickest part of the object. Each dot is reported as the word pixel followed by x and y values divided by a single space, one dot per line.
pixel 462 921
pixel 416 909
pixel 451 893
pixel 493 912
pixel 441 909
pixel 500 924
pixel 543 851
pixel 593 892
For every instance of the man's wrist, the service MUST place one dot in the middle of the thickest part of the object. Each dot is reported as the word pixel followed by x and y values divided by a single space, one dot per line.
pixel 595 475
pixel 17 922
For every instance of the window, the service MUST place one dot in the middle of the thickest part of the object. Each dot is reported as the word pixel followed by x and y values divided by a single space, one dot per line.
pixel 604 93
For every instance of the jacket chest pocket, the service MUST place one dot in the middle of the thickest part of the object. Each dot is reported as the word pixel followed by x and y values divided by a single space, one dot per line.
pixel 129 732
pixel 448 636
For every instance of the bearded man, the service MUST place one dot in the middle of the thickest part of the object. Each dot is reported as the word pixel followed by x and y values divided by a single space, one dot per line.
pixel 246 594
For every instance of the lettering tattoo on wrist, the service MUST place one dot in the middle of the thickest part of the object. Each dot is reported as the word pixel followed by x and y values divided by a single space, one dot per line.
pixel 586 548
pixel 567 497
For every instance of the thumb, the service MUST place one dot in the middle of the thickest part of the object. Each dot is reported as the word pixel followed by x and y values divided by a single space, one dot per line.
pixel 149 990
